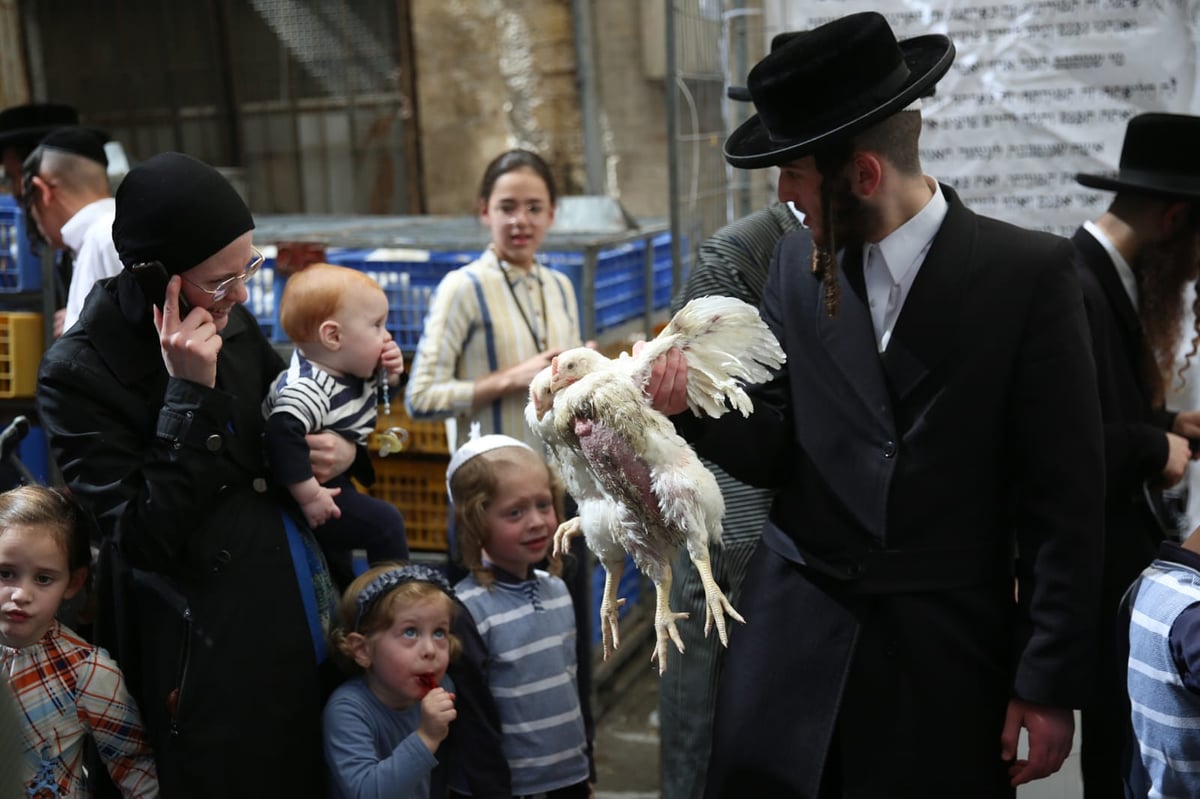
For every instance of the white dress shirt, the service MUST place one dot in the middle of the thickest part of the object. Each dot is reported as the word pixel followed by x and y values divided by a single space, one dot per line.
pixel 88 235
pixel 890 266
pixel 1124 270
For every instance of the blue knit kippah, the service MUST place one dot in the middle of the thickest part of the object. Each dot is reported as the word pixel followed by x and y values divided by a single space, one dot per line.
pixel 384 583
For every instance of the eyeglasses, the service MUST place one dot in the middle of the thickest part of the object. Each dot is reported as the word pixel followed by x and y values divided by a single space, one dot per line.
pixel 225 286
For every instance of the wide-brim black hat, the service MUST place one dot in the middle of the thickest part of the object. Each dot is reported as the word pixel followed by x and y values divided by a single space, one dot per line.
pixel 742 93
pixel 25 125
pixel 1159 157
pixel 831 82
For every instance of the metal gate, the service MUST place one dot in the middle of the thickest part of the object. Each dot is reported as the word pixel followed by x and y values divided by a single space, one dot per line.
pixel 306 102
pixel 710 45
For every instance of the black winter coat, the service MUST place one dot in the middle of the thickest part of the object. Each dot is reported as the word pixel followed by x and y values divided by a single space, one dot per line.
pixel 881 629
pixel 199 599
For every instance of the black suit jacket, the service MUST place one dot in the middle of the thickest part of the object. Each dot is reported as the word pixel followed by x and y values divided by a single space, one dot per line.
pixel 1135 444
pixel 881 601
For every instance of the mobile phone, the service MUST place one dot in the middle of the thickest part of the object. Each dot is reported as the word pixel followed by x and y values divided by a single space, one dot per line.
pixel 153 278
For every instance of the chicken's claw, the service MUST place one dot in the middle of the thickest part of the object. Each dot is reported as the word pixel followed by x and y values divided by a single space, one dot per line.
pixel 563 535
pixel 664 626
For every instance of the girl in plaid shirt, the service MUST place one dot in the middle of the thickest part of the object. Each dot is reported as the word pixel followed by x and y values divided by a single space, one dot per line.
pixel 66 688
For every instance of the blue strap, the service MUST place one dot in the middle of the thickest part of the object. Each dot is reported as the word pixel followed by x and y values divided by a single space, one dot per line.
pixel 302 563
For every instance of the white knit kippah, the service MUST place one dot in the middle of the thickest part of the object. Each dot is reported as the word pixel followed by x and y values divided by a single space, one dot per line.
pixel 477 445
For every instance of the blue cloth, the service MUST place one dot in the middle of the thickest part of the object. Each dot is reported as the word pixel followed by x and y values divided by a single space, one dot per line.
pixel 528 628
pixel 1161 676
pixel 374 751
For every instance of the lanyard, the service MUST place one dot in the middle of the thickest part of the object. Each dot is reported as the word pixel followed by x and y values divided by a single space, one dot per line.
pixel 538 341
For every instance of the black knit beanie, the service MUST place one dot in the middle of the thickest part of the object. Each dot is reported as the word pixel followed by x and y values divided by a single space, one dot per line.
pixel 76 140
pixel 177 210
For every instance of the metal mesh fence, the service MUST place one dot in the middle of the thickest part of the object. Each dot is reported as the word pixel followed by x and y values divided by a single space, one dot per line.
pixel 711 44
pixel 306 101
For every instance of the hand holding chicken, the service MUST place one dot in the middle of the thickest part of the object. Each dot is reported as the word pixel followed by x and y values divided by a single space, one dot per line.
pixel 625 457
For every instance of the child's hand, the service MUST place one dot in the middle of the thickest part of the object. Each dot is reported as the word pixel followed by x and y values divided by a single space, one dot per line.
pixel 320 508
pixel 392 360
pixel 437 711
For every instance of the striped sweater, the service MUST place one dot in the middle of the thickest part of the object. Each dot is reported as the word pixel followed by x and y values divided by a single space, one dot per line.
pixel 734 262
pixel 322 401
pixel 528 629
pixel 1164 692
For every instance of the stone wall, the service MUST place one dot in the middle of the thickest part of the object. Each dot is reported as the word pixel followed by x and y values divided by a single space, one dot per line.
pixel 494 74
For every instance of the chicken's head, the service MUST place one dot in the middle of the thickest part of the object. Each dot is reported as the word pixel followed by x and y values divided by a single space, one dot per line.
pixel 541 393
pixel 569 366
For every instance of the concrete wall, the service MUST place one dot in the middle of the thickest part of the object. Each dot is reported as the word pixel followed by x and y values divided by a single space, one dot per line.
pixel 633 109
pixel 495 74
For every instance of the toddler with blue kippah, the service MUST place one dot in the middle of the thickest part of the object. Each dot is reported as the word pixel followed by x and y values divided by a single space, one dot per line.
pixel 382 729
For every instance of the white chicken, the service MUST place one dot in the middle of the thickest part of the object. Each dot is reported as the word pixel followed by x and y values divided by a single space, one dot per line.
pixel 600 412
pixel 600 517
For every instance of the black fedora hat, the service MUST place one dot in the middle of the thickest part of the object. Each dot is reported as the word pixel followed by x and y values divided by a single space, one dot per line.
pixel 1159 157
pixel 742 92
pixel 25 125
pixel 831 82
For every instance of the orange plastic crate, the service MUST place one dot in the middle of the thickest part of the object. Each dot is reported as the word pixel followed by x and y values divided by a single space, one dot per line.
pixel 21 345
pixel 416 484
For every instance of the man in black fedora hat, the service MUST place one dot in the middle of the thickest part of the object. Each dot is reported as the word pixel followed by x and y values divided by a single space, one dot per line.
pixel 934 436
pixel 731 262
pixel 1134 262
pixel 22 127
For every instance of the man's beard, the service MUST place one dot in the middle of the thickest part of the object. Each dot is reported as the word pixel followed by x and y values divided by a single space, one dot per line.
pixel 1162 271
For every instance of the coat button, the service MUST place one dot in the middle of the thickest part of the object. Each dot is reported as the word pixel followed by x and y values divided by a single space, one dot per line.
pixel 213 442
pixel 259 485
pixel 889 449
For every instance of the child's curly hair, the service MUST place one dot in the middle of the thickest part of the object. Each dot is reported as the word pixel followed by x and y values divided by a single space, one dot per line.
pixel 379 614
pixel 472 488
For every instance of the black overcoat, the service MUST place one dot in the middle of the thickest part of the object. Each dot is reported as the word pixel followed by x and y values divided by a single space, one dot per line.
pixel 1135 441
pixel 913 486
pixel 199 599
pixel 1135 452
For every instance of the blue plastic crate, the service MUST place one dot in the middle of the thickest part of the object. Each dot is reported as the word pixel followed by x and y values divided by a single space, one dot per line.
pixel 620 281
pixel 33 452
pixel 661 245
pixel 628 589
pixel 408 278
pixel 261 288
pixel 20 270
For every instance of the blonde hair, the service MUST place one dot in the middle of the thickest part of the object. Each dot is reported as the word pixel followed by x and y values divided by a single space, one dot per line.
pixel 315 294
pixel 381 613
pixel 473 487
pixel 58 514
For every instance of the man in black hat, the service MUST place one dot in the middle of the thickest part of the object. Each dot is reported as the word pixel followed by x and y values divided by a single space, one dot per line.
pixel 213 595
pixel 1134 263
pixel 22 127
pixel 69 200
pixel 934 434
pixel 731 262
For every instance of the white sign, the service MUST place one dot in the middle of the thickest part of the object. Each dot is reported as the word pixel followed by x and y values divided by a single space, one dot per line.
pixel 1040 90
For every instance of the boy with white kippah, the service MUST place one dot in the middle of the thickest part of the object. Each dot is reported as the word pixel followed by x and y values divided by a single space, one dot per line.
pixel 507 504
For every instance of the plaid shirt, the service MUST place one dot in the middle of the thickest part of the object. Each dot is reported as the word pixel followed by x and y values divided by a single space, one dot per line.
pixel 66 689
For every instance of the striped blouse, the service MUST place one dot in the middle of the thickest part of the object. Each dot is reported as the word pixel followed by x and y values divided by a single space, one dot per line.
pixel 733 262
pixel 528 629
pixel 484 317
